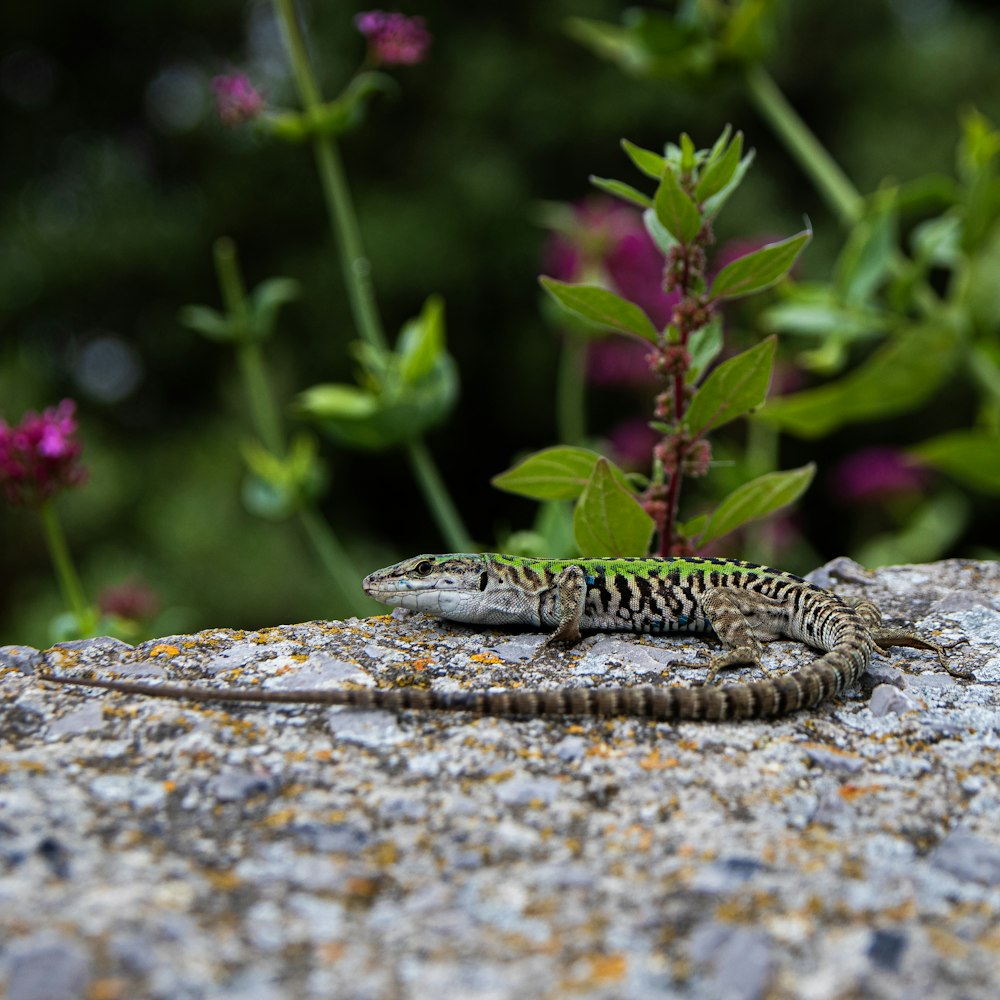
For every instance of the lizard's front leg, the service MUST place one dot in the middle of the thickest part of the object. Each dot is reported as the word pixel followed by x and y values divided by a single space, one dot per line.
pixel 571 598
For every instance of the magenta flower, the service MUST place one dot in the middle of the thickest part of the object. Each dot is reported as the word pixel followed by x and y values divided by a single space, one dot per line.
pixel 632 443
pixel 393 39
pixel 608 245
pixel 40 455
pixel 236 99
pixel 133 600
pixel 873 475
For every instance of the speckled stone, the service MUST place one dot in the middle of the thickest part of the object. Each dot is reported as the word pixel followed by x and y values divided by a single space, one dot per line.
pixel 210 851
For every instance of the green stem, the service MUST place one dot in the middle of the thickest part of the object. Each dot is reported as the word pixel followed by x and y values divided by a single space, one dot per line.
pixel 840 194
pixel 262 406
pixel 335 559
pixel 346 232
pixel 356 267
pixel 69 580
pixel 268 424
pixel 445 514
pixel 570 410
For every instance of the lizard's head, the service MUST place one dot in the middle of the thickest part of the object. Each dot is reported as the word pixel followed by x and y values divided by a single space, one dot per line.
pixel 443 585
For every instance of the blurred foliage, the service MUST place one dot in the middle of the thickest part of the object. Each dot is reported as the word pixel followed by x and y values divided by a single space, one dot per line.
pixel 117 179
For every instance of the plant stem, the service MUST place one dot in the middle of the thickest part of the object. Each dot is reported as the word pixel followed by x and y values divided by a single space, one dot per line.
pixel 268 424
pixel 335 559
pixel 356 266
pixel 840 194
pixel 69 580
pixel 571 418
pixel 346 232
pixel 445 514
pixel 251 360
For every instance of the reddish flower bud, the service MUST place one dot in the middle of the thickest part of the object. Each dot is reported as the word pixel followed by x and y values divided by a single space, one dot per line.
pixel 393 39
pixel 40 455
pixel 236 99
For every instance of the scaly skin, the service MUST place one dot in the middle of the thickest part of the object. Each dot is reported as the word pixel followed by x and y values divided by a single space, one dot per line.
pixel 744 604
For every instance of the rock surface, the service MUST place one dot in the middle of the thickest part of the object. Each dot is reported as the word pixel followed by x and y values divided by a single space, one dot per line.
pixel 151 848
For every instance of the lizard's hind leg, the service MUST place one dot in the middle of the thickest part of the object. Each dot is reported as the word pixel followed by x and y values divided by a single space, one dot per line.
pixel 884 638
pixel 742 621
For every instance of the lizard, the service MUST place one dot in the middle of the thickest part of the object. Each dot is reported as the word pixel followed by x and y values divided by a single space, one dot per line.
pixel 743 603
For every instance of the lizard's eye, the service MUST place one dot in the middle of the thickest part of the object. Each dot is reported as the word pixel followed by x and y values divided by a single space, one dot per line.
pixel 423 568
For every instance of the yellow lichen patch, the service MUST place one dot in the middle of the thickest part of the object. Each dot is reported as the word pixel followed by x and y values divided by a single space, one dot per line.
pixel 223 881
pixel 947 943
pixel 488 658
pixel 279 819
pixel 107 989
pixel 164 649
pixel 63 657
pixel 748 908
pixel 654 762
pixel 169 786
pixel 384 854
pixel 851 792
pixel 608 968
pixel 33 766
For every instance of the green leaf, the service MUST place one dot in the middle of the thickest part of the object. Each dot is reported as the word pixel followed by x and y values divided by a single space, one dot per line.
pixel 899 376
pixel 759 270
pixel 713 205
pixel 265 301
pixel 337 401
pixel 676 211
pixel 720 171
pixel 559 473
pixel 421 341
pixel 688 158
pixel 650 163
pixel 866 260
pixel 608 520
pixel 733 388
pixel 208 322
pixel 602 307
pixel 756 499
pixel 704 347
pixel 971 457
pixel 661 237
pixel 720 143
pixel 622 190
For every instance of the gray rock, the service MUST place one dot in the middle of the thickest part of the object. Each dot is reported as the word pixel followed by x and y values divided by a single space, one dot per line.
pixel 236 784
pixel 741 960
pixel 968 857
pixel 888 699
pixel 24 658
pixel 47 966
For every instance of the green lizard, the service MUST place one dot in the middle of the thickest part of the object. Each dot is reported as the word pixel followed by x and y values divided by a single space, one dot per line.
pixel 744 604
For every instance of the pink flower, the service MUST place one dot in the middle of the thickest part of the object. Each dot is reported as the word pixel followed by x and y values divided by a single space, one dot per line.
pixel 874 475
pixel 134 600
pixel 632 443
pixel 393 39
pixel 607 244
pixel 236 99
pixel 619 360
pixel 39 456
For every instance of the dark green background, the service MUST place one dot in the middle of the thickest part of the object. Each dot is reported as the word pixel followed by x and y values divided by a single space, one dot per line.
pixel 116 179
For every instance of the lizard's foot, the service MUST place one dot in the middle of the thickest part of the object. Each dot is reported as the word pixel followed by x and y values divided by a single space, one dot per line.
pixel 741 656
pixel 568 634
pixel 885 638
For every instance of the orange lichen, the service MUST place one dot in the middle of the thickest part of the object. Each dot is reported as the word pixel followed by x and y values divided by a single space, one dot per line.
pixel 164 649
